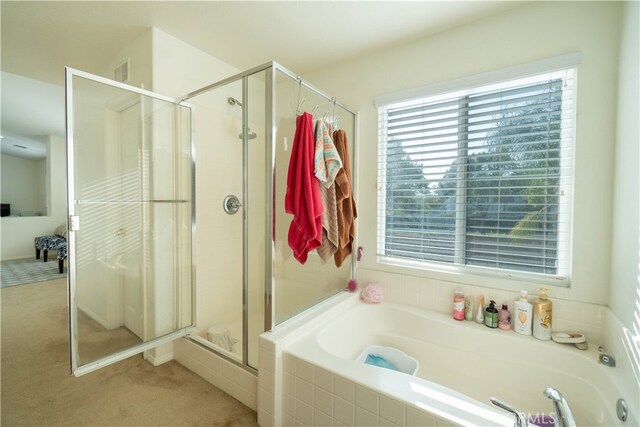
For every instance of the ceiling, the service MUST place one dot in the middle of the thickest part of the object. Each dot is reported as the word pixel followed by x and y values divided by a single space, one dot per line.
pixel 40 38
pixel 31 110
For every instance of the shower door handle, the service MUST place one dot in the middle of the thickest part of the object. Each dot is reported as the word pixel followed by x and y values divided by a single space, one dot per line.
pixel 74 222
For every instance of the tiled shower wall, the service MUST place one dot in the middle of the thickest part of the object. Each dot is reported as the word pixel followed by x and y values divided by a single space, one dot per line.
pixel 438 296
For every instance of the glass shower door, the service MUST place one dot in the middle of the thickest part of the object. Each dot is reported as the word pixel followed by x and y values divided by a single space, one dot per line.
pixel 130 177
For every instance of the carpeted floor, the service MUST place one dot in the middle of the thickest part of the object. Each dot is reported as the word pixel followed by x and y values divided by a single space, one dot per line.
pixel 30 270
pixel 37 389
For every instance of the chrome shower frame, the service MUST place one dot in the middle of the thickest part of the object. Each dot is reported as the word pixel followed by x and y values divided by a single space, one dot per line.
pixel 270 68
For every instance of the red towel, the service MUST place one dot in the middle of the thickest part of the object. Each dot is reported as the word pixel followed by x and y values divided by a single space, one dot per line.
pixel 302 198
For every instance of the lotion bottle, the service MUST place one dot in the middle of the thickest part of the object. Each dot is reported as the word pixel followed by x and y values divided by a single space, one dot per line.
pixel 504 318
pixel 468 309
pixel 480 312
pixel 542 316
pixel 523 315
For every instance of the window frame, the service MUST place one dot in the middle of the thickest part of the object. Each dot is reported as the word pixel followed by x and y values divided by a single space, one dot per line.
pixel 480 274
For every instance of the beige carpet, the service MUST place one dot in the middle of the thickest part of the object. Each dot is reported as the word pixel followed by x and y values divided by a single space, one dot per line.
pixel 95 342
pixel 37 389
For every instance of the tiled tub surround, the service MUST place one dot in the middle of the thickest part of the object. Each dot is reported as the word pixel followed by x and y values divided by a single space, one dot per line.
pixel 308 376
pixel 314 396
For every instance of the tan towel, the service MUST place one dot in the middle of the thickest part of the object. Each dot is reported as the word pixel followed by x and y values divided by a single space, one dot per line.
pixel 330 238
pixel 345 203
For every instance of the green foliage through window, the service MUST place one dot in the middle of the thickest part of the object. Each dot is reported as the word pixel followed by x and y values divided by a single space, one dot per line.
pixel 477 179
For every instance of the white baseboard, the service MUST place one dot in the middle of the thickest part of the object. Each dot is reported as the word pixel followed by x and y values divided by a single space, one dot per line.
pixel 157 360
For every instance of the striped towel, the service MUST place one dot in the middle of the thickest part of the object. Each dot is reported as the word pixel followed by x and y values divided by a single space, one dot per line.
pixel 327 166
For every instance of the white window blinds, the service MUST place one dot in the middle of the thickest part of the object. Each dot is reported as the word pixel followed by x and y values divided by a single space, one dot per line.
pixel 480 177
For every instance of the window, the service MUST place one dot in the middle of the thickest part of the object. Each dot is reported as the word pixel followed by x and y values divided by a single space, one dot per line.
pixel 480 178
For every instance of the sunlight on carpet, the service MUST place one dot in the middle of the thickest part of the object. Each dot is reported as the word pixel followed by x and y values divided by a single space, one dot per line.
pixel 23 271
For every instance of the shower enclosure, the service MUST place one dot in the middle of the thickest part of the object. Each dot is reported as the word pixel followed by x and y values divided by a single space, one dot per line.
pixel 248 281
pixel 133 247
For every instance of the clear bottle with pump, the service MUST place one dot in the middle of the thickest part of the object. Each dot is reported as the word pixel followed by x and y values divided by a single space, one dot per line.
pixel 523 315
pixel 458 305
pixel 542 316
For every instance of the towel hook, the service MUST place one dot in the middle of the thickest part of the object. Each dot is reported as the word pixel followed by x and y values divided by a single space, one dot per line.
pixel 327 113
pixel 333 115
pixel 336 119
pixel 299 109
pixel 298 103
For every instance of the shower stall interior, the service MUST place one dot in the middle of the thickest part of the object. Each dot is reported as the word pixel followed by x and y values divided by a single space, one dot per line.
pixel 141 273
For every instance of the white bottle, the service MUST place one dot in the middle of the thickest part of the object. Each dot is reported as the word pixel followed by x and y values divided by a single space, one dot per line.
pixel 523 315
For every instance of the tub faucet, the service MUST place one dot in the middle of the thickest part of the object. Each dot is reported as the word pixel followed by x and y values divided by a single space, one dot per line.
pixel 564 417
pixel 521 421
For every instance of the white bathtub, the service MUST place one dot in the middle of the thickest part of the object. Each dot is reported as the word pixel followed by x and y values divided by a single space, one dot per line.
pixel 462 365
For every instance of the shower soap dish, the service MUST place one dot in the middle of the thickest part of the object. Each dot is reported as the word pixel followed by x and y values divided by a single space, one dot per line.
pixel 389 357
pixel 568 337
pixel 576 338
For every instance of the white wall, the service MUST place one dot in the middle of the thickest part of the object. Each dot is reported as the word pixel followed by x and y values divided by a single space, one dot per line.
pixel 625 276
pixel 525 34
pixel 18 232
pixel 179 68
pixel 23 185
